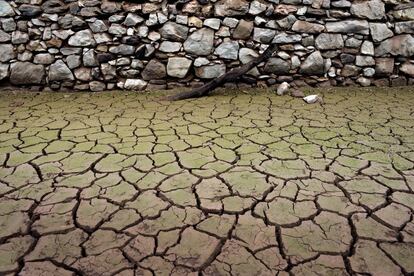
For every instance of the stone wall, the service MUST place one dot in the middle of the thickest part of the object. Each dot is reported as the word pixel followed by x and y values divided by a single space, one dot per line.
pixel 96 45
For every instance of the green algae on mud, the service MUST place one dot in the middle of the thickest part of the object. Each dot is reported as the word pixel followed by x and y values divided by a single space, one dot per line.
pixel 244 175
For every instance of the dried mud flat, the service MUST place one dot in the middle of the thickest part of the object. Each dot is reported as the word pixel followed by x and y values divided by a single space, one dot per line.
pixel 233 184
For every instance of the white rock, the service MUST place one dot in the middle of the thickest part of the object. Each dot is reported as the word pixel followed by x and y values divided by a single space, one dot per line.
pixel 311 99
pixel 213 23
pixel 283 88
pixel 135 84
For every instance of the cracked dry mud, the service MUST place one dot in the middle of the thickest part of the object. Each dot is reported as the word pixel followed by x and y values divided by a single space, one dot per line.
pixel 235 184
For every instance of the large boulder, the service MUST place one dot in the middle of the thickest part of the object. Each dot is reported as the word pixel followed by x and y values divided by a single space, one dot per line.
pixel 174 31
pixel 5 9
pixel 313 64
pixel 400 45
pixel 231 7
pixel 59 71
pixel 374 9
pixel 23 73
pixel 178 67
pixel 200 42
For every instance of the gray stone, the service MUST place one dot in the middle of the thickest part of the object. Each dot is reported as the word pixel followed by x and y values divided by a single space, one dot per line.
pixel 380 31
pixel 374 9
pixel 404 27
pixel 210 71
pixel 4 71
pixel 402 45
pixel 313 64
pixel 82 38
pixel 174 31
pixel 263 35
pixel 369 72
pixel 122 49
pixel 59 71
pixel 213 23
pixel 287 22
pixel 364 61
pixel 170 47
pixel 23 73
pixel 5 9
pixel 341 4
pixel 29 11
pixel 154 70
pixel 257 7
pixel 367 48
pixel 231 7
pixel 8 24
pixel 89 58
pixel 83 74
pixel 97 86
pixel 348 26
pixel 200 42
pixel 246 55
pixel 117 30
pixel 19 37
pixel 108 71
pixel 4 37
pixel 326 41
pixel 44 58
pixel 228 50
pixel 178 67
pixel 284 38
pixel 73 61
pixel 230 22
pixel 404 14
pixel 364 81
pixel 277 66
pixel 407 68
pixel 132 20
pixel 98 26
pixel 352 42
pixel 6 52
pixel 201 61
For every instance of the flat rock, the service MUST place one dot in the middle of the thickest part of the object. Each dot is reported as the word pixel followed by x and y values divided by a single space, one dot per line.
pixel 26 73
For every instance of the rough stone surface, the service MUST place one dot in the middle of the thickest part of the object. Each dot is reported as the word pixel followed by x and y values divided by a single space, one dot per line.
pixel 23 73
pixel 178 67
pixel 136 40
pixel 200 42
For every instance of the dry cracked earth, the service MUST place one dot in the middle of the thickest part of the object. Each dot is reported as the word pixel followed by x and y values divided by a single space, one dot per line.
pixel 234 184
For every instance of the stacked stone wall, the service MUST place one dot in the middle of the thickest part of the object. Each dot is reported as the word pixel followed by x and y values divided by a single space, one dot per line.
pixel 96 45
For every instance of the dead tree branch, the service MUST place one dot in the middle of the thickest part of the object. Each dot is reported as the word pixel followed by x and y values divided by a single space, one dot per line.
pixel 232 75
